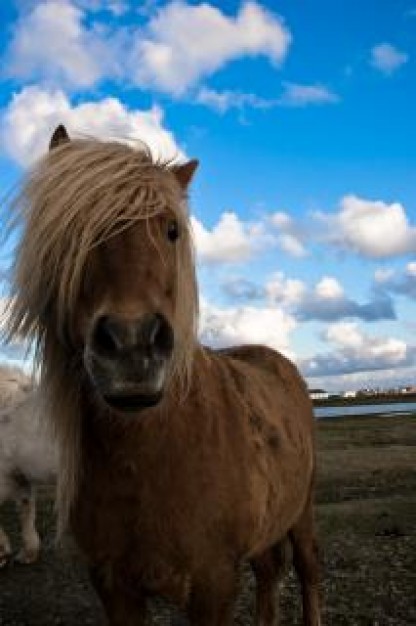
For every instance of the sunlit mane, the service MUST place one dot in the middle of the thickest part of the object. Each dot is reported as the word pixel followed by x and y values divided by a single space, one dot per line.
pixel 81 194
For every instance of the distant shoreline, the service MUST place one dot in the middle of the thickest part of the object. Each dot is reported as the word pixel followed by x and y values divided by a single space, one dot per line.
pixel 363 400
pixel 366 416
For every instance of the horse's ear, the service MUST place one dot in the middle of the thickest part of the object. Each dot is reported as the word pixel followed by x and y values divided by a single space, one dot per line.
pixel 59 137
pixel 185 172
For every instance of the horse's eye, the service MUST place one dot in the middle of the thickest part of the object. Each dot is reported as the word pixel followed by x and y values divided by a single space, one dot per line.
pixel 173 230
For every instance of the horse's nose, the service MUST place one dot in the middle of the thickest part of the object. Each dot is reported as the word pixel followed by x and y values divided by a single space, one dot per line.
pixel 113 337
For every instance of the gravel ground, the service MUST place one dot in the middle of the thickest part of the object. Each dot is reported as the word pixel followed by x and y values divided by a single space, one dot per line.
pixel 367 528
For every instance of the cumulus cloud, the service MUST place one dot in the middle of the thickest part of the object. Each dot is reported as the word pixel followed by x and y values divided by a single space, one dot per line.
pixel 371 228
pixel 402 283
pixel 183 43
pixel 325 302
pixel 229 241
pixel 243 289
pixel 32 115
pixel 290 236
pixel 287 292
pixel 52 42
pixel 381 307
pixel 387 59
pixel 356 351
pixel 221 327
pixel 232 240
pixel 329 288
pixel 178 45
pixel 116 7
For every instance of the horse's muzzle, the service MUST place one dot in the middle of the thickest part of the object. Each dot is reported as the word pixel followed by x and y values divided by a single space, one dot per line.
pixel 127 360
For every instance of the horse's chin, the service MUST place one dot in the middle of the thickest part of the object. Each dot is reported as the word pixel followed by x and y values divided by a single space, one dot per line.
pixel 118 388
pixel 132 403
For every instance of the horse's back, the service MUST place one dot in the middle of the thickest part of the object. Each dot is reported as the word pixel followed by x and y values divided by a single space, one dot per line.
pixel 264 358
pixel 282 376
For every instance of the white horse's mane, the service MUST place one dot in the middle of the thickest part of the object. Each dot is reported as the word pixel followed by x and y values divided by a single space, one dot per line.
pixel 14 385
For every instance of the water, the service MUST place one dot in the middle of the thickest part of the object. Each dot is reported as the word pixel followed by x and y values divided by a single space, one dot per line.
pixel 391 408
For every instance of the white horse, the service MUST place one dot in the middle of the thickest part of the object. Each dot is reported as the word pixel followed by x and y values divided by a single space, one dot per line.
pixel 27 457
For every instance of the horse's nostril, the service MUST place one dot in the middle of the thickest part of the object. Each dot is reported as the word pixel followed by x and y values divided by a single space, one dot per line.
pixel 105 336
pixel 162 335
pixel 153 330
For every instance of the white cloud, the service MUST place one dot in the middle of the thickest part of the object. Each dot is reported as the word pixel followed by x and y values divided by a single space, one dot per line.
pixel 281 220
pixel 290 244
pixel 387 59
pixel 52 42
pixel 401 282
pixel 290 237
pixel 229 241
pixel 293 96
pixel 345 335
pixel 287 292
pixel 325 302
pixel 222 101
pixel 387 378
pixel 178 45
pixel 232 326
pixel 296 95
pixel 185 42
pixel 371 228
pixel 329 288
pixel 33 114
pixel 411 269
pixel 349 338
pixel 353 351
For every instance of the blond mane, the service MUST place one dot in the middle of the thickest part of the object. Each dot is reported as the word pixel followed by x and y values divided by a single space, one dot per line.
pixel 78 196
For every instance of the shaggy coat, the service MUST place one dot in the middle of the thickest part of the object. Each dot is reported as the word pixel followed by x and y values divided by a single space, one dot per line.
pixel 176 461
pixel 27 457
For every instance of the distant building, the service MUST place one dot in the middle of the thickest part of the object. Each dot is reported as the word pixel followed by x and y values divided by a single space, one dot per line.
pixel 318 394
pixel 410 389
pixel 349 394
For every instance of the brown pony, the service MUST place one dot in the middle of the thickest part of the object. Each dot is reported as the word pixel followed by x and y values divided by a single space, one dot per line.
pixel 176 461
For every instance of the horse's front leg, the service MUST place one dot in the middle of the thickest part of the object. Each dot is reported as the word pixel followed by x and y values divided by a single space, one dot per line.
pixel 26 505
pixel 122 607
pixel 268 569
pixel 306 562
pixel 5 548
pixel 212 597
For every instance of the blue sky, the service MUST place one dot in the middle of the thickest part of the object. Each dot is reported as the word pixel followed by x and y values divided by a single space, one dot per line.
pixel 302 117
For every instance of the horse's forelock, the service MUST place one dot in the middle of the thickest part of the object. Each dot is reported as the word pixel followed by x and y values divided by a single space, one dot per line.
pixel 81 194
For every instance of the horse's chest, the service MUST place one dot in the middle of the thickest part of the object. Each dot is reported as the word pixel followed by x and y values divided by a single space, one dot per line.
pixel 152 513
pixel 132 529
